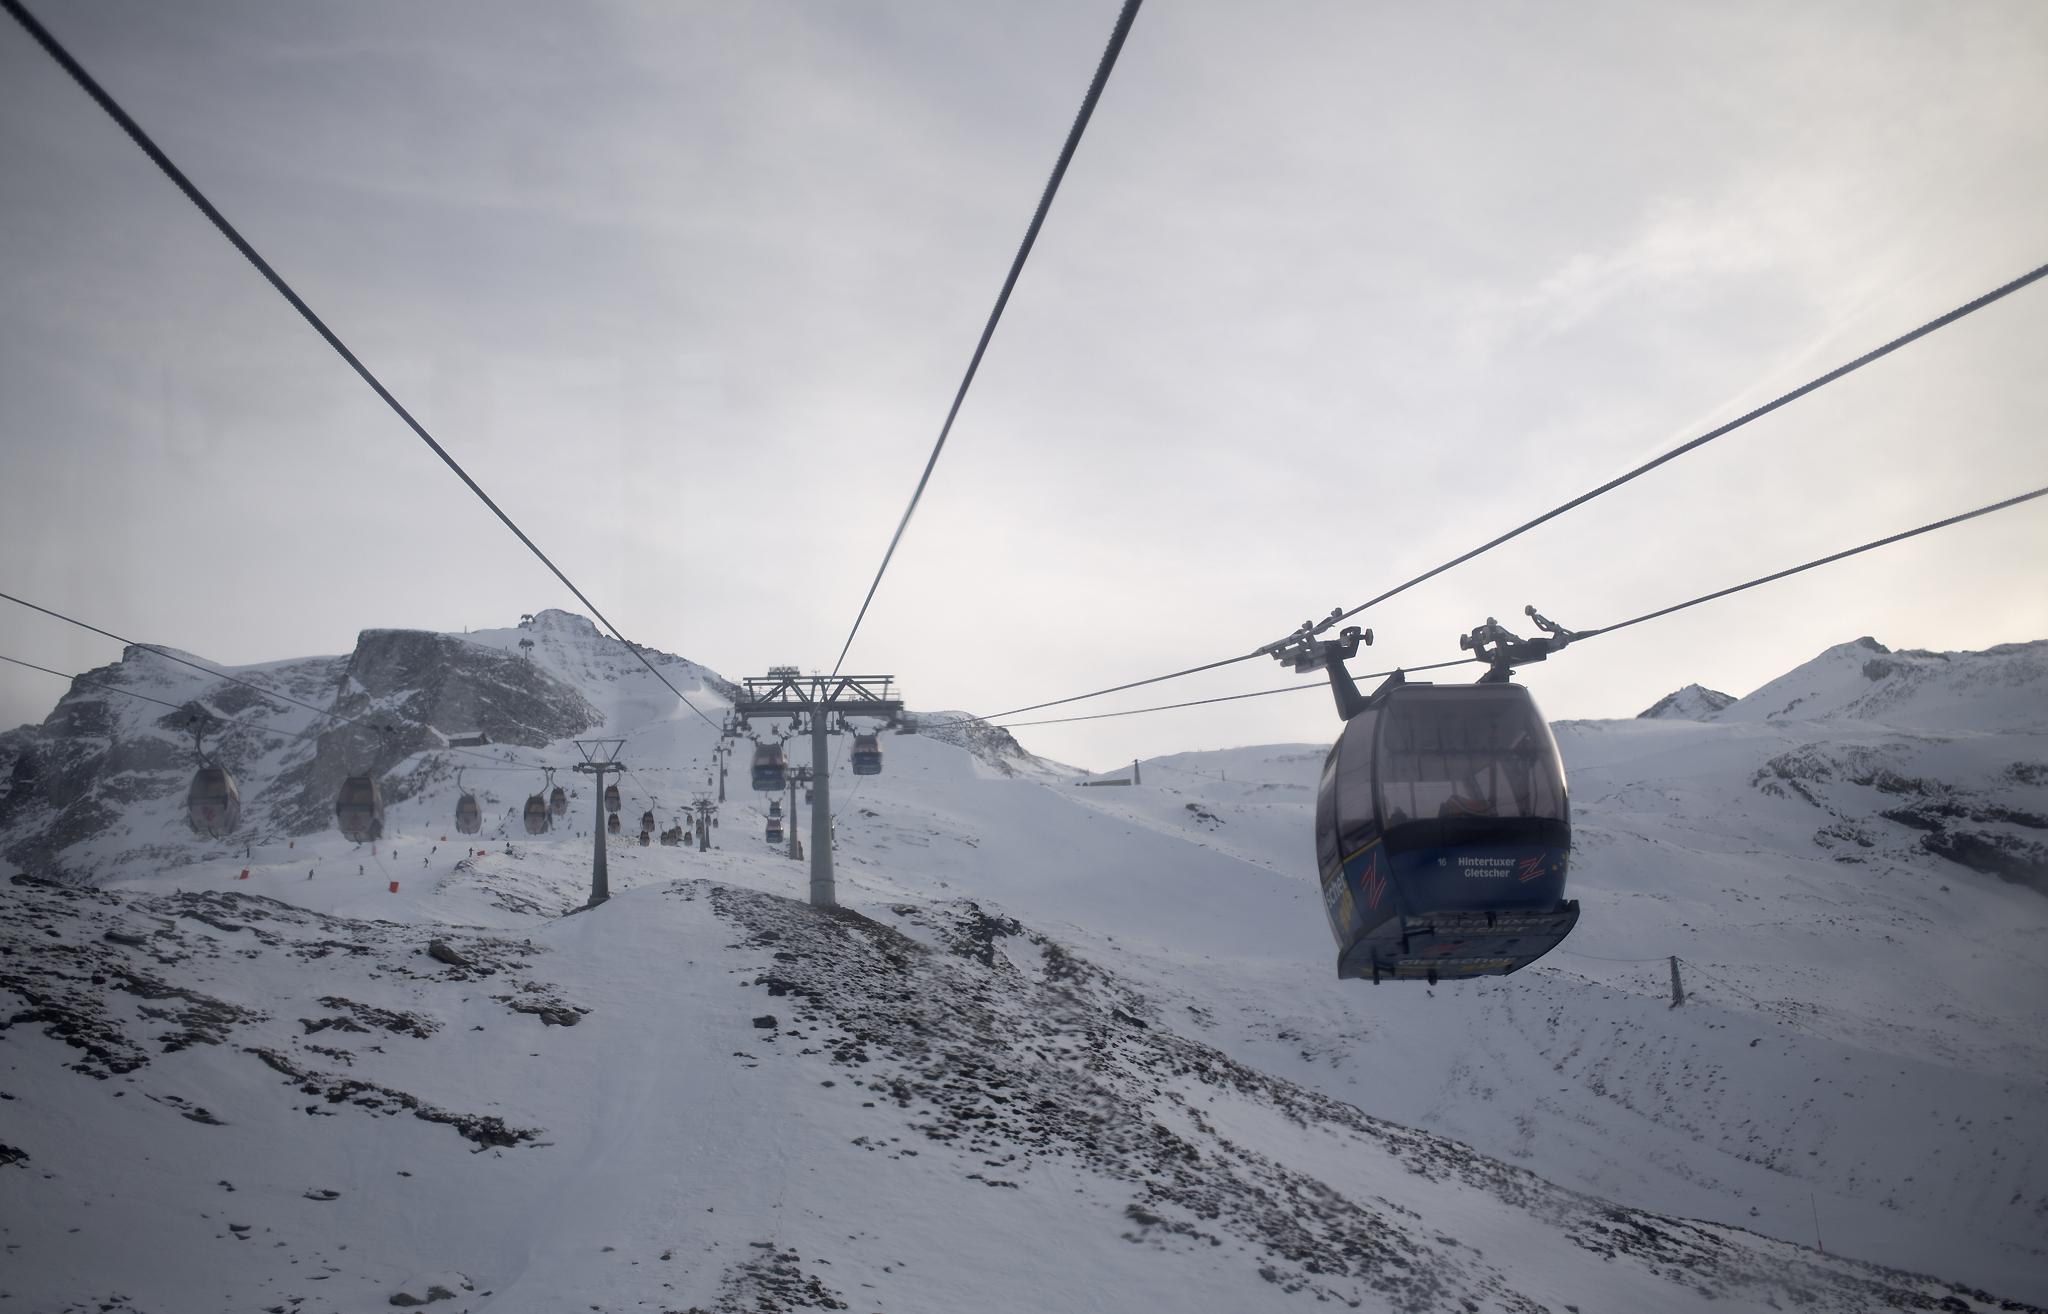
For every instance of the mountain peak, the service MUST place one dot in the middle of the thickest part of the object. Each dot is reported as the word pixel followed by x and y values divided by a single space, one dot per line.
pixel 1695 702
pixel 555 619
pixel 2001 687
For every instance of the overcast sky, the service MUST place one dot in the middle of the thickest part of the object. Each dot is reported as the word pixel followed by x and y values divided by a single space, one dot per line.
pixel 1332 292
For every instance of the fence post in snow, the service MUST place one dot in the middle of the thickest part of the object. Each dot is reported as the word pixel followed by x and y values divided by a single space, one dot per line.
pixel 1677 987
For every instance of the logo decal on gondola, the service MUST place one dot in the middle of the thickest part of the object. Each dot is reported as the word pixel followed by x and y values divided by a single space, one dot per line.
pixel 1374 884
pixel 1528 869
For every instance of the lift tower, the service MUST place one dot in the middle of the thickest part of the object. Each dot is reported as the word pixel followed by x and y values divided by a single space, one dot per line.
pixel 799 776
pixel 599 757
pixel 704 809
pixel 821 700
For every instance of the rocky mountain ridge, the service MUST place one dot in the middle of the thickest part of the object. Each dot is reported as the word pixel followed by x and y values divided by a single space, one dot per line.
pixel 100 783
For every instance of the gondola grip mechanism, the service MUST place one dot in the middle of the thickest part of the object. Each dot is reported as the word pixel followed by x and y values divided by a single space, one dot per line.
pixel 1503 650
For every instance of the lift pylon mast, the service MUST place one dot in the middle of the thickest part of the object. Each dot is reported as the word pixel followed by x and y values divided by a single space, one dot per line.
pixel 799 776
pixel 599 757
pixel 703 807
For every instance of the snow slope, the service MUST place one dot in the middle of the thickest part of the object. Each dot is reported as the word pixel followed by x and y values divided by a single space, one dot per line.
pixel 1093 1024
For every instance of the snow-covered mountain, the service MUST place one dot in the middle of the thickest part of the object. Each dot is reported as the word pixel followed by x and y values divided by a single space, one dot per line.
pixel 1998 689
pixel 1061 1048
pixel 1695 702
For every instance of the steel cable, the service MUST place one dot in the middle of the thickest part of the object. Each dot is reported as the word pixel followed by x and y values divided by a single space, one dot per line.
pixel 1817 561
pixel 168 655
pixel 1122 29
pixel 1812 385
pixel 1940 321
pixel 192 193
pixel 1583 635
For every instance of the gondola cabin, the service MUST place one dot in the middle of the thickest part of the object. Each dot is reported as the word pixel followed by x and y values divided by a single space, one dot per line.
pixel 646 838
pixel 469 817
pixel 611 798
pixel 775 830
pixel 611 824
pixel 647 820
pixel 867 755
pixel 212 804
pixel 359 809
pixel 1442 835
pixel 536 814
pixel 769 775
pixel 558 801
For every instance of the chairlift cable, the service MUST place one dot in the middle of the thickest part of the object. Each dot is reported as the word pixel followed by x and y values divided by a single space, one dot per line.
pixel 1812 385
pixel 179 707
pixel 98 684
pixel 192 193
pixel 1226 698
pixel 1583 635
pixel 222 675
pixel 171 656
pixel 1889 539
pixel 1941 321
pixel 1102 70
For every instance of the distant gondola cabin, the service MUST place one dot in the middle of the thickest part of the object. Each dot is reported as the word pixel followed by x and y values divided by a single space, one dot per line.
pixel 769 774
pixel 359 809
pixel 867 755
pixel 212 803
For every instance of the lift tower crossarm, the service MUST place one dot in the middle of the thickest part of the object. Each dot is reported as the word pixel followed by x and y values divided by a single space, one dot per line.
pixel 784 693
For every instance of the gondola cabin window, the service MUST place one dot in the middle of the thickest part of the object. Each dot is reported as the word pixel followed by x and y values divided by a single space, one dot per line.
pixel 1477 756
